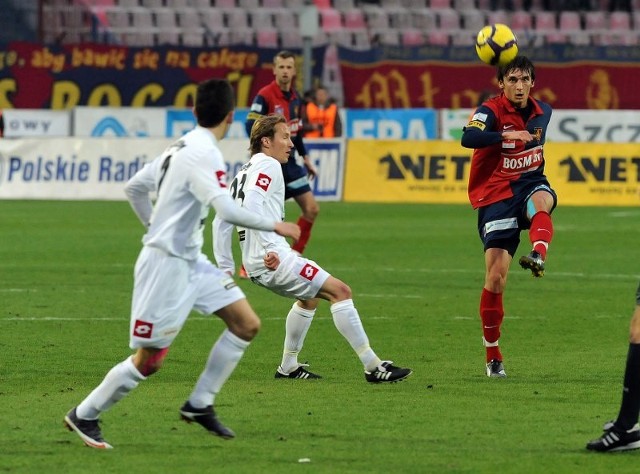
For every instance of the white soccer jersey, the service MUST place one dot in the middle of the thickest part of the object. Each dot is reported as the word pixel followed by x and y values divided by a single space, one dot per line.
pixel 258 187
pixel 187 177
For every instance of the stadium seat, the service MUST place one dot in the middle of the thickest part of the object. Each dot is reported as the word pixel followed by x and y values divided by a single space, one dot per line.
pixel 569 21
pixel 555 37
pixel 463 5
pixel 127 3
pixel 141 18
pixel 294 3
pixel 164 17
pixel 354 18
pixel 463 38
pixel 284 19
pixel 521 21
pixel 189 18
pixel 260 18
pixel 497 16
pixel 291 39
pixel 619 20
pixel 545 21
pixel 194 38
pixel 223 37
pixel 412 37
pixel 153 3
pixel 320 39
pixel 473 20
pixel 360 40
pixel 243 36
pixel 249 4
pixel 400 18
pixel 440 4
pixel 117 17
pixel 579 38
pixel 423 19
pixel 213 18
pixel 267 37
pixel 448 19
pixel 377 18
pixel 236 18
pixel 322 4
pixel 342 37
pixel 225 3
pixel 178 4
pixel 139 38
pixel 438 38
pixel 344 5
pixel 330 19
pixel 168 36
pixel 414 3
pixel 595 21
pixel 617 38
pixel 272 4
pixel 386 36
pixel 201 4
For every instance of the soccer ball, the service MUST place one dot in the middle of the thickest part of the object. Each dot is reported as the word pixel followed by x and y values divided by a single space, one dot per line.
pixel 496 44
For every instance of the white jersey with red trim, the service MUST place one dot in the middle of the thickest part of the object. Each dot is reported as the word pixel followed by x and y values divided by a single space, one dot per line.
pixel 259 188
pixel 186 177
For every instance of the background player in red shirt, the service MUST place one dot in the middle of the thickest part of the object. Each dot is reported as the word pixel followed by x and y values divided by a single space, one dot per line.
pixel 508 187
pixel 280 97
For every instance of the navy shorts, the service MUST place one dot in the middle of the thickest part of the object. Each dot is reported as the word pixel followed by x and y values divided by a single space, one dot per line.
pixel 295 179
pixel 638 295
pixel 500 223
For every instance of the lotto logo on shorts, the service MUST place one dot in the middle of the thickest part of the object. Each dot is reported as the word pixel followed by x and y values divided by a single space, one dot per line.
pixel 263 181
pixel 142 329
pixel 309 272
pixel 222 178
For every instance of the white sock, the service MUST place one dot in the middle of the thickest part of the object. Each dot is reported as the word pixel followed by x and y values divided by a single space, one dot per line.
pixel 347 320
pixel 297 325
pixel 223 359
pixel 117 384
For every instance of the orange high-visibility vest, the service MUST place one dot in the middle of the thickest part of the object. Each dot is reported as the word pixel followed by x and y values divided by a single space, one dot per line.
pixel 325 116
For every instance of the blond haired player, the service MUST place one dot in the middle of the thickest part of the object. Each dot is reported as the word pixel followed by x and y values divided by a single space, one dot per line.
pixel 270 262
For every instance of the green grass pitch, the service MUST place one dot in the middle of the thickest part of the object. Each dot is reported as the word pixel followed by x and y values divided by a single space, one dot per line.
pixel 416 272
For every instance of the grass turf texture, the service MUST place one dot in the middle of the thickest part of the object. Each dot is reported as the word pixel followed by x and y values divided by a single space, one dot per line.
pixel 416 272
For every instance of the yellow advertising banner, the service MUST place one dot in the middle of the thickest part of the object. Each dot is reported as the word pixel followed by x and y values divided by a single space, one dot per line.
pixel 594 174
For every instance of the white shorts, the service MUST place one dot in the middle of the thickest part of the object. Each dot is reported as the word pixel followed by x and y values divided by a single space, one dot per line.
pixel 295 277
pixel 167 288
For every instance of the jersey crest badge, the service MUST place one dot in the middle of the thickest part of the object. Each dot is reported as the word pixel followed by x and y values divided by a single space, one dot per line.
pixel 263 181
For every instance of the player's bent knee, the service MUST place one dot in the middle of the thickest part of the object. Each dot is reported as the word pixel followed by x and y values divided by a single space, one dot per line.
pixel 343 291
pixel 247 328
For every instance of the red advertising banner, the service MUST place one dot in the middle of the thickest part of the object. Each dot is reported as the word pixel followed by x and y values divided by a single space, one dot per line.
pixel 567 77
pixel 61 77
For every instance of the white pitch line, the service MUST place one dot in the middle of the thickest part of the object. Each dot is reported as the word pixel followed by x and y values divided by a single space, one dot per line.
pixel 17 290
pixel 195 318
pixel 366 295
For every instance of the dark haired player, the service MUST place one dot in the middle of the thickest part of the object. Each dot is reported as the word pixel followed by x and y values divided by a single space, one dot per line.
pixel 508 187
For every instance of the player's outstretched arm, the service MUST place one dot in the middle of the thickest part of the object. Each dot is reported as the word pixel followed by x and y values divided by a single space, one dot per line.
pixel 288 229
